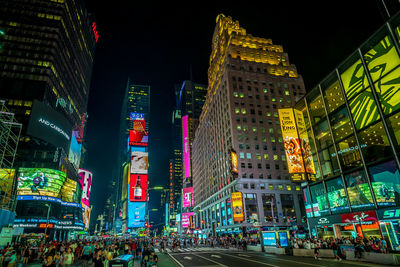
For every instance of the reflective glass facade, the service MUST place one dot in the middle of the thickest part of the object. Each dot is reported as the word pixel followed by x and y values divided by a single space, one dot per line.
pixel 353 118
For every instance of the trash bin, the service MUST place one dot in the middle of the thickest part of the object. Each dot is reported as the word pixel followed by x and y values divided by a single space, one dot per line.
pixel 122 261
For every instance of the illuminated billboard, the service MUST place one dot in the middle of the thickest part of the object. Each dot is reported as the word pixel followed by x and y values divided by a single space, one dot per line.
pixel 86 184
pixel 86 215
pixel 234 161
pixel 136 214
pixel 186 219
pixel 6 184
pixel 139 162
pixel 138 138
pixel 186 148
pixel 49 125
pixel 138 187
pixel 139 125
pixel 296 144
pixel 40 181
pixel 187 196
pixel 136 116
pixel 70 192
pixel 75 150
pixel 237 206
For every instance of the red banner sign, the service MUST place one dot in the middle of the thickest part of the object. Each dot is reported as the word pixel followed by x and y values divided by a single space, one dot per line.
pixel 362 216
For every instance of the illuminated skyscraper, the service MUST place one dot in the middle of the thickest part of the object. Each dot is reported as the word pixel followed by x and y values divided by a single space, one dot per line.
pixel 249 78
pixel 46 59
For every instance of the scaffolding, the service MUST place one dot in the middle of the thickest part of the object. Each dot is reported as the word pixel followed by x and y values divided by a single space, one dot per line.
pixel 10 131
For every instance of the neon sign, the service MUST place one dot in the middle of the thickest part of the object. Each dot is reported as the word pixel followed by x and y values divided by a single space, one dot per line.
pixel 96 33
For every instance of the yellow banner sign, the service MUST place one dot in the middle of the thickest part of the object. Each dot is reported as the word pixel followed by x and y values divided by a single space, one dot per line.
pixel 234 162
pixel 237 206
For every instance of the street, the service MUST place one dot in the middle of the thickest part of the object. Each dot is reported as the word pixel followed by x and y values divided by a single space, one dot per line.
pixel 232 258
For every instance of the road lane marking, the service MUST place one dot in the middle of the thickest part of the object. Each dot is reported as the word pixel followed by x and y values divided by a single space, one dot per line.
pixel 180 264
pixel 219 264
pixel 187 258
pixel 215 256
pixel 260 262
pixel 305 263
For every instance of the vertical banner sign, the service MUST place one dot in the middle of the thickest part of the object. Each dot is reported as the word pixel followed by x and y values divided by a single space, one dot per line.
pixel 186 152
pixel 237 206
pixel 187 197
pixel 305 145
pixel 86 185
pixel 138 187
pixel 234 161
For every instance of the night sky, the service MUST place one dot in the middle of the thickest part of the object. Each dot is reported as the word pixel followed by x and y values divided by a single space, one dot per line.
pixel 155 44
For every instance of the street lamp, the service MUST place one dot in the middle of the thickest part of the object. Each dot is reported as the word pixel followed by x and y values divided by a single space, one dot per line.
pixel 47 219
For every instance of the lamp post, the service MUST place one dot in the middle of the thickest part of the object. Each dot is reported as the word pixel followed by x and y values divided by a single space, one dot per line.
pixel 47 220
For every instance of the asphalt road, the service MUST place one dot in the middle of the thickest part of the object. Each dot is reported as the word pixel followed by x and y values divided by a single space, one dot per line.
pixel 256 259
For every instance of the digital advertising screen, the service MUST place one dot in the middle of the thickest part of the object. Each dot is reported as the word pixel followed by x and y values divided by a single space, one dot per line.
pixel 86 216
pixel 234 161
pixel 40 181
pixel 186 219
pixel 337 195
pixel 283 239
pixel 75 150
pixel 6 184
pixel 86 185
pixel 138 138
pixel 358 190
pixel 139 125
pixel 186 147
pixel 237 206
pixel 49 125
pixel 136 116
pixel 319 199
pixel 136 214
pixel 138 187
pixel 385 180
pixel 139 162
pixel 307 202
pixel 71 191
pixel 269 239
pixel 187 195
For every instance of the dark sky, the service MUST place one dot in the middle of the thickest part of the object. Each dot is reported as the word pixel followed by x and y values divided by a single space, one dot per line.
pixel 154 44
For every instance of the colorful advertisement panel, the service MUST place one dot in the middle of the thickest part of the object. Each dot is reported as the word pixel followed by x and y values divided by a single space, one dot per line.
pixel 356 217
pixel 136 116
pixel 138 187
pixel 291 141
pixel 337 195
pixel 139 125
pixel 304 143
pixel 70 192
pixel 234 161
pixel 187 196
pixel 186 219
pixel 139 162
pixel 358 190
pixel 75 150
pixel 49 125
pixel 40 181
pixel 136 214
pixel 86 185
pixel 385 180
pixel 86 216
pixel 283 239
pixel 6 183
pixel 138 138
pixel 237 206
pixel 186 148
pixel 269 239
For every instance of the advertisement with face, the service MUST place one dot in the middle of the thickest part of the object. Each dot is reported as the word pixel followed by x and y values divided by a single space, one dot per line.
pixel 136 214
pixel 138 188
pixel 186 219
pixel 86 184
pixel 385 180
pixel 237 206
pixel 186 149
pixel 187 196
pixel 139 162
pixel 40 181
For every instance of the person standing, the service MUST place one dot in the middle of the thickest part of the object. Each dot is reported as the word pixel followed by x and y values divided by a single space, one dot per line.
pixel 68 258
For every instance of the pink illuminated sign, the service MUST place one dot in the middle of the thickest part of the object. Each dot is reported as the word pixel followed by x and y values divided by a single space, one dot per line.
pixel 86 184
pixel 186 219
pixel 186 151
pixel 187 197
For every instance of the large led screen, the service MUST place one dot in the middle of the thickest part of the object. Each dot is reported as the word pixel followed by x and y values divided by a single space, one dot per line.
pixel 86 216
pixel 136 214
pixel 40 181
pixel 385 181
pixel 186 219
pixel 139 162
pixel 269 238
pixel 304 142
pixel 337 195
pixel 138 138
pixel 358 190
pixel 186 148
pixel 237 206
pixel 49 125
pixel 86 185
pixel 136 116
pixel 75 150
pixel 71 192
pixel 138 187
pixel 6 183
pixel 187 196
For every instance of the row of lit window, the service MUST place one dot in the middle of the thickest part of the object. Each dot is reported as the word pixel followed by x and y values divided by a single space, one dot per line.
pixel 287 187
pixel 258 156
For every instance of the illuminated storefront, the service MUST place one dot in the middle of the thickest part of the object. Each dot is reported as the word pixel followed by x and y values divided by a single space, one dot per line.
pixel 352 121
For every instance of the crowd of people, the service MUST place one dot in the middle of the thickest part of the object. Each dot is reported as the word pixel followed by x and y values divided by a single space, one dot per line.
pixel 372 244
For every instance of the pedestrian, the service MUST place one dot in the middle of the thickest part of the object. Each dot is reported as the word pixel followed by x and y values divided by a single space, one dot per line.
pixel 316 251
pixel 98 259
pixel 68 258
pixel 335 251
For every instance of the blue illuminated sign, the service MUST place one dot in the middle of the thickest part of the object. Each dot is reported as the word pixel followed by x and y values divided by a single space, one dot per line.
pixel 51 199
pixel 136 116
pixel 269 239
pixel 136 214
pixel 283 239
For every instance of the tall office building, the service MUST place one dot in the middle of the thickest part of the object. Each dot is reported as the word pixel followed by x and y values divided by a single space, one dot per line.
pixel 133 164
pixel 46 58
pixel 249 78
